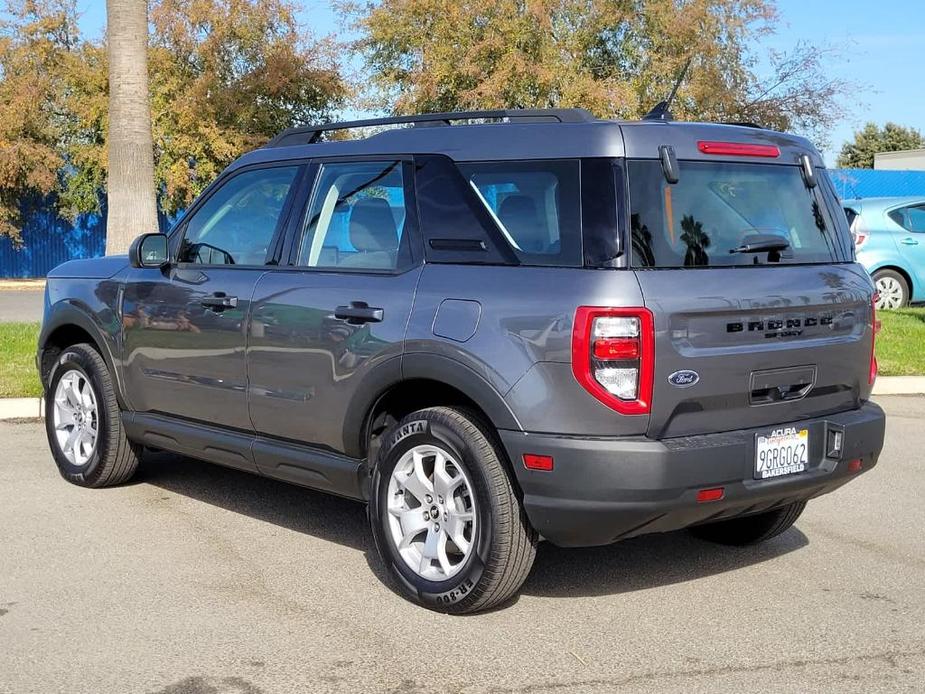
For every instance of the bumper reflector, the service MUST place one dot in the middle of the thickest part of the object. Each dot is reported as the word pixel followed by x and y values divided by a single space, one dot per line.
pixel 855 465
pixel 707 495
pixel 538 462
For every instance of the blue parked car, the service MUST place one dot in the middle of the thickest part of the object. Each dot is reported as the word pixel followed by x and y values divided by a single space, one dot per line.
pixel 889 235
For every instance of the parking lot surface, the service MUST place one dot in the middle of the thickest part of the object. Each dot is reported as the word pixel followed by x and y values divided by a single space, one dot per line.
pixel 197 579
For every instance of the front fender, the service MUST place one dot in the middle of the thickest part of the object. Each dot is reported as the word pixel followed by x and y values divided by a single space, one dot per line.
pixel 100 320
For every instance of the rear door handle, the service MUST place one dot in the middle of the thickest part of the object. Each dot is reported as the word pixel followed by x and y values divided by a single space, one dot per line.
pixel 219 301
pixel 359 312
pixel 910 242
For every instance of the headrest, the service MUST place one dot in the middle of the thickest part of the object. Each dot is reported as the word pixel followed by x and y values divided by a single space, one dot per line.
pixel 519 215
pixel 372 226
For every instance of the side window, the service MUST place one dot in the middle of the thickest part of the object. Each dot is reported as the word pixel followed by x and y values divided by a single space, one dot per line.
pixel 536 204
pixel 357 218
pixel 236 224
pixel 910 218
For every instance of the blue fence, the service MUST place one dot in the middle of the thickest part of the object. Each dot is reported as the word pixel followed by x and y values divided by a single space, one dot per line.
pixel 868 183
pixel 49 240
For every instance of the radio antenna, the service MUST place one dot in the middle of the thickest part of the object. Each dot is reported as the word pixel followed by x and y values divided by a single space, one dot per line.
pixel 661 110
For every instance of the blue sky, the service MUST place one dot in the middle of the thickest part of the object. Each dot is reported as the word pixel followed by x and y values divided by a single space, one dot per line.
pixel 882 44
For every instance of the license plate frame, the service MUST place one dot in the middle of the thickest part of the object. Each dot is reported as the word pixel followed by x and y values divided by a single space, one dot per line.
pixel 781 452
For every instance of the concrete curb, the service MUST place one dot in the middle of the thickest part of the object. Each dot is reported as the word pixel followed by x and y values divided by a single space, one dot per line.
pixel 899 385
pixel 21 408
pixel 13 285
pixel 30 408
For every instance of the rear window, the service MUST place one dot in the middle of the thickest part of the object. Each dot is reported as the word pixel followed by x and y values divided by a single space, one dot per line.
pixel 535 204
pixel 717 207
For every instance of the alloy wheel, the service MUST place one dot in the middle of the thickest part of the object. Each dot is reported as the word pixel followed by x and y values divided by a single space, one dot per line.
pixel 76 417
pixel 431 512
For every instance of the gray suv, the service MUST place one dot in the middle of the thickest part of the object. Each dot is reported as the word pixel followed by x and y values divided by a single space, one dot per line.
pixel 493 328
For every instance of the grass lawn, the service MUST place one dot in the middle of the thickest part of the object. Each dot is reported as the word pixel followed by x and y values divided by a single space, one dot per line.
pixel 901 342
pixel 18 377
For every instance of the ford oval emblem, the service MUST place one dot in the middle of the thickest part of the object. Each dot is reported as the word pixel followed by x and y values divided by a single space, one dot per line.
pixel 685 378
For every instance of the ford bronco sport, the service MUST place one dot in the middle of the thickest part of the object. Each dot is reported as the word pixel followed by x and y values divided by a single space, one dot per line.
pixel 494 328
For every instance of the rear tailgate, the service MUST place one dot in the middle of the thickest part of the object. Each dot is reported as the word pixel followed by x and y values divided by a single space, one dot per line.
pixel 768 345
pixel 747 266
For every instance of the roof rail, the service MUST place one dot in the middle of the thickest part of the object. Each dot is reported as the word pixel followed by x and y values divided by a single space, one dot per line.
pixel 311 134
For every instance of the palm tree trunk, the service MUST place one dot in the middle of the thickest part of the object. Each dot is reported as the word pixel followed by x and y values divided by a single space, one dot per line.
pixel 132 205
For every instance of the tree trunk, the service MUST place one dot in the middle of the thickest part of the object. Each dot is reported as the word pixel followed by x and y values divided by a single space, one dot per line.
pixel 132 205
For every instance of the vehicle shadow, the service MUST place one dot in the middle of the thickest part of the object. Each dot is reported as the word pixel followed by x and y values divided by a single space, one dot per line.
pixel 288 506
pixel 645 562
pixel 631 565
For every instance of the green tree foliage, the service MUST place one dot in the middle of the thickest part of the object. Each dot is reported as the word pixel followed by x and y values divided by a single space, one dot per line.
pixel 618 58
pixel 225 75
pixel 44 123
pixel 859 153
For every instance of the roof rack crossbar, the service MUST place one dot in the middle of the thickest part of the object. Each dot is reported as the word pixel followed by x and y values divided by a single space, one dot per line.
pixel 311 134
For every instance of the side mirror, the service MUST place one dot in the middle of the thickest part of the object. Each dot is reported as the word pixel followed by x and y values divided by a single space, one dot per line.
pixel 149 250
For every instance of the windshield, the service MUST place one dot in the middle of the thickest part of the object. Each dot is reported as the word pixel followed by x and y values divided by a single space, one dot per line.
pixel 727 214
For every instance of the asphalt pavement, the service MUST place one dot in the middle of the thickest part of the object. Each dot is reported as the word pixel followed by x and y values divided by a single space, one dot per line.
pixel 197 579
pixel 21 305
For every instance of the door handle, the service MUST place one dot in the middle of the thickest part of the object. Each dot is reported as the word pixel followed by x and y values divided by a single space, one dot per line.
pixel 909 242
pixel 359 312
pixel 219 301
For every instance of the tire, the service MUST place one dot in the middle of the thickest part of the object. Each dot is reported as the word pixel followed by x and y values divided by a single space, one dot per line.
pixel 501 542
pixel 750 530
pixel 111 459
pixel 892 288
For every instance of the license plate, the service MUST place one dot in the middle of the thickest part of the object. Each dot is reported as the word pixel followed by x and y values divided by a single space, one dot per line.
pixel 781 452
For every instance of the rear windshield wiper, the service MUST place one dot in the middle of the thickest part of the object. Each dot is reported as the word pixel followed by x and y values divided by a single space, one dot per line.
pixel 762 243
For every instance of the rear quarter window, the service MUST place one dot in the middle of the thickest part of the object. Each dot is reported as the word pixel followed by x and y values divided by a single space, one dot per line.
pixel 910 218
pixel 535 204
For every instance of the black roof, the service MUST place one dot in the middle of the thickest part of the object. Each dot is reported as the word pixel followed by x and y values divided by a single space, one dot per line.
pixel 521 134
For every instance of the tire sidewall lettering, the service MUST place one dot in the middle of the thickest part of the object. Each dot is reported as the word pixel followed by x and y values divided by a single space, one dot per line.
pixel 407 436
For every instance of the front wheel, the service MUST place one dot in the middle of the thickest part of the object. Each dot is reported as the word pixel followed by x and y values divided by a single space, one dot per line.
pixel 444 515
pixel 83 422
pixel 750 530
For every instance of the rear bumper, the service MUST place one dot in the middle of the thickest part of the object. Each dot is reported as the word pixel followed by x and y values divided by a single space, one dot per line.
pixel 606 489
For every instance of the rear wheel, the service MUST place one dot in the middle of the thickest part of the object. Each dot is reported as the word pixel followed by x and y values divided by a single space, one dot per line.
pixel 444 515
pixel 750 530
pixel 83 422
pixel 892 289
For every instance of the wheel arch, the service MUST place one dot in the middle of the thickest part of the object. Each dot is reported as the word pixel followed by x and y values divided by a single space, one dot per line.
pixel 428 380
pixel 68 325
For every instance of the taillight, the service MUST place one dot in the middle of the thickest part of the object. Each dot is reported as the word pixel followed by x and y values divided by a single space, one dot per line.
pixel 859 233
pixel 874 329
pixel 613 356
